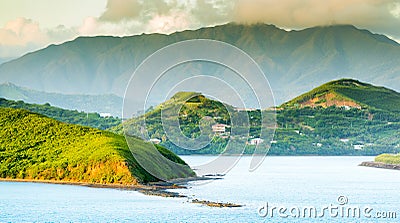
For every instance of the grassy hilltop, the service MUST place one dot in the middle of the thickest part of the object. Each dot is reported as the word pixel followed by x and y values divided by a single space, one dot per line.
pixel 193 108
pixel 351 93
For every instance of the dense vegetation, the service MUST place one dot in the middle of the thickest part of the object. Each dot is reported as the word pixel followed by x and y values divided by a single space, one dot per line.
pixel 369 129
pixel 335 131
pixel 193 108
pixel 73 117
pixel 33 146
pixel 388 159
pixel 371 120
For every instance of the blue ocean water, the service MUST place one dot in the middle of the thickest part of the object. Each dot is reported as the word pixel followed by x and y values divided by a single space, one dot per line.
pixel 293 183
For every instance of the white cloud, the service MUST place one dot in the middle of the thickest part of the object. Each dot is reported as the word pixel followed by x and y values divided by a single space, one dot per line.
pixel 21 31
pixel 213 12
pixel 168 23
pixel 118 10
pixel 166 16
pixel 122 18
pixel 93 27
pixel 396 10
pixel 305 13
pixel 23 35
pixel 380 16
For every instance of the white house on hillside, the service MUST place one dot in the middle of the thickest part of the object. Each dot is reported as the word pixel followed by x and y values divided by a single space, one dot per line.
pixel 256 141
pixel 358 147
pixel 155 141
pixel 219 128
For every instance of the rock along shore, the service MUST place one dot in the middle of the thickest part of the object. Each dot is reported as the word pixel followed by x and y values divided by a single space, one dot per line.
pixel 380 165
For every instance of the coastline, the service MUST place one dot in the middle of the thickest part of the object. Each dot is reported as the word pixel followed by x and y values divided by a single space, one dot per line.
pixel 152 188
pixel 380 165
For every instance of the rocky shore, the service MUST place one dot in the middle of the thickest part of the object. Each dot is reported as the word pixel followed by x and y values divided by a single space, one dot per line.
pixel 216 204
pixel 380 165
pixel 152 189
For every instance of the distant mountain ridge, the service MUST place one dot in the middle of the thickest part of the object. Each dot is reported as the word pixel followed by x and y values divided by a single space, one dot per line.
pixel 93 120
pixel 5 59
pixel 293 61
pixel 108 104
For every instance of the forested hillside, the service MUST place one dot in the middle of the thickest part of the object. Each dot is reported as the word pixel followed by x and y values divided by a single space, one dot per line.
pixel 35 147
pixel 68 116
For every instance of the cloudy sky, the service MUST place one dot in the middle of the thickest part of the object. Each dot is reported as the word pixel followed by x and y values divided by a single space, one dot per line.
pixel 27 25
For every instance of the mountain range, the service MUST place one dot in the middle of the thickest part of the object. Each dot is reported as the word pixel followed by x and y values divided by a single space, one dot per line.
pixel 107 104
pixel 293 61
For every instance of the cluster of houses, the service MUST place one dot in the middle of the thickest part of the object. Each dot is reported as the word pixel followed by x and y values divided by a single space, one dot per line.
pixel 222 131
pixel 358 145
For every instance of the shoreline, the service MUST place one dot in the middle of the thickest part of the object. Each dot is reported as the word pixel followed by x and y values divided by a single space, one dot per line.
pixel 152 186
pixel 380 165
pixel 152 189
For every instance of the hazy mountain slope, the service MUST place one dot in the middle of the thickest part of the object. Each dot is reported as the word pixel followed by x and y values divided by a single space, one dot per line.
pixel 33 146
pixel 109 103
pixel 5 59
pixel 294 61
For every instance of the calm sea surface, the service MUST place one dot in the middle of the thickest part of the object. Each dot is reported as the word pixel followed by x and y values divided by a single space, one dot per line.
pixel 294 183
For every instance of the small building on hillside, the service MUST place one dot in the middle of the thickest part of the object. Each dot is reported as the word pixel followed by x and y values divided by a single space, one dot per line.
pixel 219 128
pixel 105 115
pixel 256 141
pixel 245 109
pixel 345 140
pixel 358 146
pixel 155 141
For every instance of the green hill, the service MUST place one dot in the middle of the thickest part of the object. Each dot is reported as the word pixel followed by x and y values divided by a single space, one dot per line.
pixel 344 117
pixel 73 117
pixel 349 93
pixel 107 103
pixel 35 147
pixel 336 117
pixel 294 61
pixel 193 107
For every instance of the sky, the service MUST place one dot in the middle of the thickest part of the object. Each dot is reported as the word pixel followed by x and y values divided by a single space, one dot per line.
pixel 28 25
